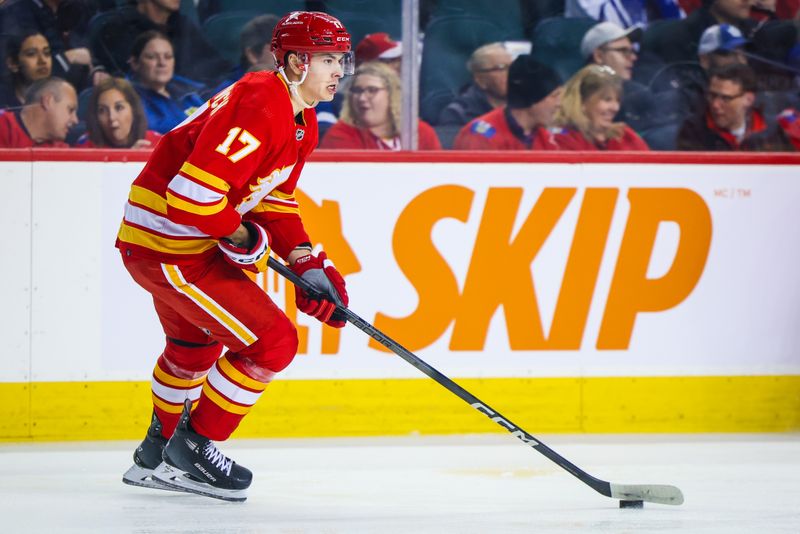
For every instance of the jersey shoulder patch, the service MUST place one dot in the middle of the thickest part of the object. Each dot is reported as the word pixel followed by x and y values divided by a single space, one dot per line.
pixel 483 128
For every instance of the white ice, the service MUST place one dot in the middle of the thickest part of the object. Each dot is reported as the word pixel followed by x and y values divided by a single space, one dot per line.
pixel 462 484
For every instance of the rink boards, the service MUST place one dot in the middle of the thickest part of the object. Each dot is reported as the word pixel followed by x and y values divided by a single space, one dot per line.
pixel 572 293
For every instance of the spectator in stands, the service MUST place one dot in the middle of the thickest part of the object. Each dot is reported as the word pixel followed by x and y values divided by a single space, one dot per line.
pixel 116 119
pixel 608 44
pixel 721 44
pixel 730 117
pixel 534 94
pixel 590 103
pixel 195 57
pixel 678 41
pixel 624 13
pixel 50 111
pixel 28 58
pixel 380 47
pixel 371 113
pixel 783 136
pixel 489 68
pixel 167 99
pixel 65 25
pixel 255 39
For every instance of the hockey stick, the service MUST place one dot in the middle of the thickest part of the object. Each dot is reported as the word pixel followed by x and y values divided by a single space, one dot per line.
pixel 655 493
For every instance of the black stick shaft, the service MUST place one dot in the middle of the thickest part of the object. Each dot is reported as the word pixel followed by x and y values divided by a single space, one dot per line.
pixel 598 485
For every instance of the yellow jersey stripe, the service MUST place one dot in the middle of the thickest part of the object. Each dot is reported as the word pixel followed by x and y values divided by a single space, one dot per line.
pixel 149 199
pixel 135 236
pixel 223 403
pixel 280 195
pixel 208 304
pixel 170 380
pixel 263 207
pixel 189 207
pixel 206 177
pixel 237 376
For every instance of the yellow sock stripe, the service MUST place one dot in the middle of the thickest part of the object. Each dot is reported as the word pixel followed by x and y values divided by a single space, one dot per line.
pixel 237 376
pixel 197 209
pixel 205 177
pixel 170 380
pixel 223 403
pixel 208 305
pixel 168 407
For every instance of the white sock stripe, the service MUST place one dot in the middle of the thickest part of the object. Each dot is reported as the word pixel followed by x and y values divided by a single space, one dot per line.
pixel 175 395
pixel 233 391
pixel 211 307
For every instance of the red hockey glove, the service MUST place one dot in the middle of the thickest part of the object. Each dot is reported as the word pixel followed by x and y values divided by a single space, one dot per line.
pixel 253 258
pixel 326 280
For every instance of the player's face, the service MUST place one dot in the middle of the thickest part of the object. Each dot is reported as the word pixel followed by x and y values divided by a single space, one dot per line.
pixel 544 110
pixel 369 97
pixel 324 73
pixel 156 64
pixel 62 113
pixel 35 61
pixel 601 108
pixel 115 116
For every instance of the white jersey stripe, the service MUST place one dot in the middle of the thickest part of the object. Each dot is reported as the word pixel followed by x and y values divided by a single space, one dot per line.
pixel 158 223
pixel 194 191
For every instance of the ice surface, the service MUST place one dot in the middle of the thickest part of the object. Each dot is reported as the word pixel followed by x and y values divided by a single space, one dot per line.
pixel 461 484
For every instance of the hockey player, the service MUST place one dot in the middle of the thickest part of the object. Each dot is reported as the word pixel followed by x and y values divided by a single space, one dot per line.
pixel 215 196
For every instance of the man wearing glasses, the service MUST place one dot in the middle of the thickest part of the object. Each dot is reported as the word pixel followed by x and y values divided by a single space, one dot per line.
pixel 729 120
pixel 489 68
pixel 610 45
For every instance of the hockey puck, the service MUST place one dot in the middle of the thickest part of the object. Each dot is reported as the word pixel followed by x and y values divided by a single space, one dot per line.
pixel 631 504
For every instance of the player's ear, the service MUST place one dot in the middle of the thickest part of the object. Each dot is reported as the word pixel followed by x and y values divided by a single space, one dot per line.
pixel 295 65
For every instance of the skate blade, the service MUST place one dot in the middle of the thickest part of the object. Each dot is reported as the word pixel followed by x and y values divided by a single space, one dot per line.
pixel 180 481
pixel 139 476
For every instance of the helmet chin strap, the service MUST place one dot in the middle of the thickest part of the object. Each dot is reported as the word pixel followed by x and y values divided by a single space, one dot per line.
pixel 295 86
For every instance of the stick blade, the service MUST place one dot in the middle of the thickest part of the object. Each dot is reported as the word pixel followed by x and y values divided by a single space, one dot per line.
pixel 656 493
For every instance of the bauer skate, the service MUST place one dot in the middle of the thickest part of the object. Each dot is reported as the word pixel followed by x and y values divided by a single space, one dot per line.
pixel 192 463
pixel 147 457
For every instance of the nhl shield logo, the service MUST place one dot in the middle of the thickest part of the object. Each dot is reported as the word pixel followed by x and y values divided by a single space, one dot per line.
pixel 299 134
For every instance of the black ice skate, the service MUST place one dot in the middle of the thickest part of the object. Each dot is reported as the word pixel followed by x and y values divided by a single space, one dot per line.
pixel 193 463
pixel 147 457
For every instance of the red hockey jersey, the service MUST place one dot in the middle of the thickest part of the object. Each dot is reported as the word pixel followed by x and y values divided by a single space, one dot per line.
pixel 14 135
pixel 239 155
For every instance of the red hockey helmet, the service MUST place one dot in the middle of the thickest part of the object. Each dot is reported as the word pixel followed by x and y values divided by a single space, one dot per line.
pixel 310 32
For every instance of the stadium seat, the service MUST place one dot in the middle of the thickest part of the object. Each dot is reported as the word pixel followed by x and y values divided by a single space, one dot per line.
pixel 83 103
pixel 505 14
pixel 447 134
pixel 222 30
pixel 189 10
pixel 275 7
pixel 361 24
pixel 431 104
pixel 662 137
pixel 449 41
pixel 557 43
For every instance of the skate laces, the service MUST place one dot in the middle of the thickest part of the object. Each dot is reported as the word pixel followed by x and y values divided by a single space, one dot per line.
pixel 220 461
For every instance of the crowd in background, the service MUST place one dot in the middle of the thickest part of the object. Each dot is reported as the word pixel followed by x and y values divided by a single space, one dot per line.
pixel 709 75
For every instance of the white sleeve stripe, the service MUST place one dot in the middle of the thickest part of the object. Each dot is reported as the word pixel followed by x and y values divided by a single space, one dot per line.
pixel 194 191
pixel 157 223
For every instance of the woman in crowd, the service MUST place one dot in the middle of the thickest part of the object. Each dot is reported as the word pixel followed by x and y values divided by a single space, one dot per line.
pixel 115 118
pixel 591 100
pixel 370 116
pixel 28 58
pixel 167 99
